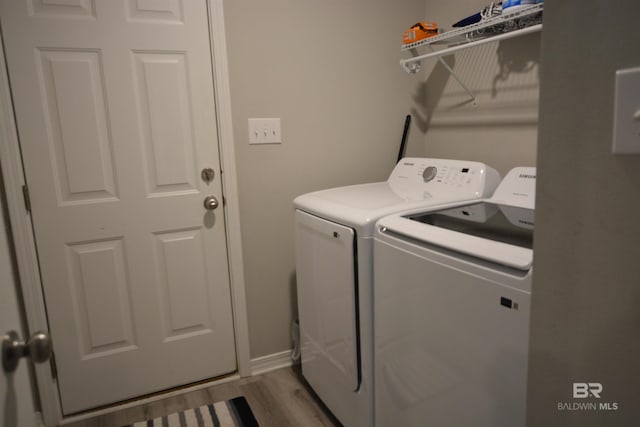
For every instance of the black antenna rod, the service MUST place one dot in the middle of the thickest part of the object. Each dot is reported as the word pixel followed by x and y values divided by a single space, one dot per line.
pixel 405 132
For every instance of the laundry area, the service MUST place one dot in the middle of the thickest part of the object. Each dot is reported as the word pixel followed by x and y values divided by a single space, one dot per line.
pixel 437 324
pixel 414 293
pixel 362 213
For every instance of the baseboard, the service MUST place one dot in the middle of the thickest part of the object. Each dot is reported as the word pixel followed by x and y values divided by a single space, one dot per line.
pixel 270 362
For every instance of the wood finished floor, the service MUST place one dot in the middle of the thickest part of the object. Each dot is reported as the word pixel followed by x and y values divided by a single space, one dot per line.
pixel 278 399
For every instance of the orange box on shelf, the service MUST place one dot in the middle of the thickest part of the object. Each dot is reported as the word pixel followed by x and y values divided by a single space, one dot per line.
pixel 419 31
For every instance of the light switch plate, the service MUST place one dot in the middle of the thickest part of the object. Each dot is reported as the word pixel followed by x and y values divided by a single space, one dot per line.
pixel 264 131
pixel 626 116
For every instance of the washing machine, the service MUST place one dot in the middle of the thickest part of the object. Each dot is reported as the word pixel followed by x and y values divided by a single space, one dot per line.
pixel 334 267
pixel 452 294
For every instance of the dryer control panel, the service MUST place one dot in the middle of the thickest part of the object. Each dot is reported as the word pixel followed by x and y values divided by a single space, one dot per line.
pixel 420 178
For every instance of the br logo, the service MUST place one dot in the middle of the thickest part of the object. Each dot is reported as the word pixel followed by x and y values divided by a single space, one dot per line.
pixel 584 390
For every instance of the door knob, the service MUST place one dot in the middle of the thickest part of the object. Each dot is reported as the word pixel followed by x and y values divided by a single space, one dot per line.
pixel 210 203
pixel 37 348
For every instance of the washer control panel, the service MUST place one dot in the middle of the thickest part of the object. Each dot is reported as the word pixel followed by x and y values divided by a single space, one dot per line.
pixel 415 177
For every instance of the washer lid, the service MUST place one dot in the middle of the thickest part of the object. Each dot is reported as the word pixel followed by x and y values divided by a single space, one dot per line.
pixel 497 233
pixel 500 223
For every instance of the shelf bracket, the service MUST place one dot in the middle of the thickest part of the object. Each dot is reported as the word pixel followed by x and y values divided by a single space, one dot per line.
pixel 412 66
pixel 453 74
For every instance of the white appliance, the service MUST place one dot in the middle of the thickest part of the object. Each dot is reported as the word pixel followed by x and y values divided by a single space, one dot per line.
pixel 452 294
pixel 334 267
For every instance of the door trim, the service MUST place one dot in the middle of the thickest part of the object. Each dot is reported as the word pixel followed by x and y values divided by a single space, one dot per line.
pixel 24 239
pixel 222 96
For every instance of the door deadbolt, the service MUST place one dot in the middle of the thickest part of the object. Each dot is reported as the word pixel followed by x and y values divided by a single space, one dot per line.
pixel 37 348
pixel 208 175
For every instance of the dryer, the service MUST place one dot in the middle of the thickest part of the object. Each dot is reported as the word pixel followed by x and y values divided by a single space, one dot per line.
pixel 452 302
pixel 334 267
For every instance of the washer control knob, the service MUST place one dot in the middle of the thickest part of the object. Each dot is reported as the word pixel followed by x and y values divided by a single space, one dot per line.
pixel 429 173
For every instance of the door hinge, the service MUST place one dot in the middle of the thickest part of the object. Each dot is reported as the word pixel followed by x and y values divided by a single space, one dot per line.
pixel 27 199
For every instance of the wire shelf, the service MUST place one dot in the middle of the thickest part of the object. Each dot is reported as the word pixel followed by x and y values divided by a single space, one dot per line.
pixel 505 26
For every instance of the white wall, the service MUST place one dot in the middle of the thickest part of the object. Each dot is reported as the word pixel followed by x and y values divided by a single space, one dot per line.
pixel 330 70
pixel 585 324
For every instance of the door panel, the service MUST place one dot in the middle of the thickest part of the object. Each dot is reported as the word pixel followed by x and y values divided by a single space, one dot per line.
pixel 115 111
pixel 61 8
pixel 150 11
pixel 100 290
pixel 182 278
pixel 165 120
pixel 73 87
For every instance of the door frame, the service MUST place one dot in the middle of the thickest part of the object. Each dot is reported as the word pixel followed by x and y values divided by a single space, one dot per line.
pixel 24 238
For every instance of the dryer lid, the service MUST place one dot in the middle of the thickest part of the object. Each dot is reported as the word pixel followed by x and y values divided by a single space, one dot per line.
pixel 414 183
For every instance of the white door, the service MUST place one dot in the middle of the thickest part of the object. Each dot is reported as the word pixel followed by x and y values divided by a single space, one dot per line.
pixel 115 111
pixel 16 397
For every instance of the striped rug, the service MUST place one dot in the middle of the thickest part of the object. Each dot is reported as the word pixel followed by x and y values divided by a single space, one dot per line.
pixel 232 413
